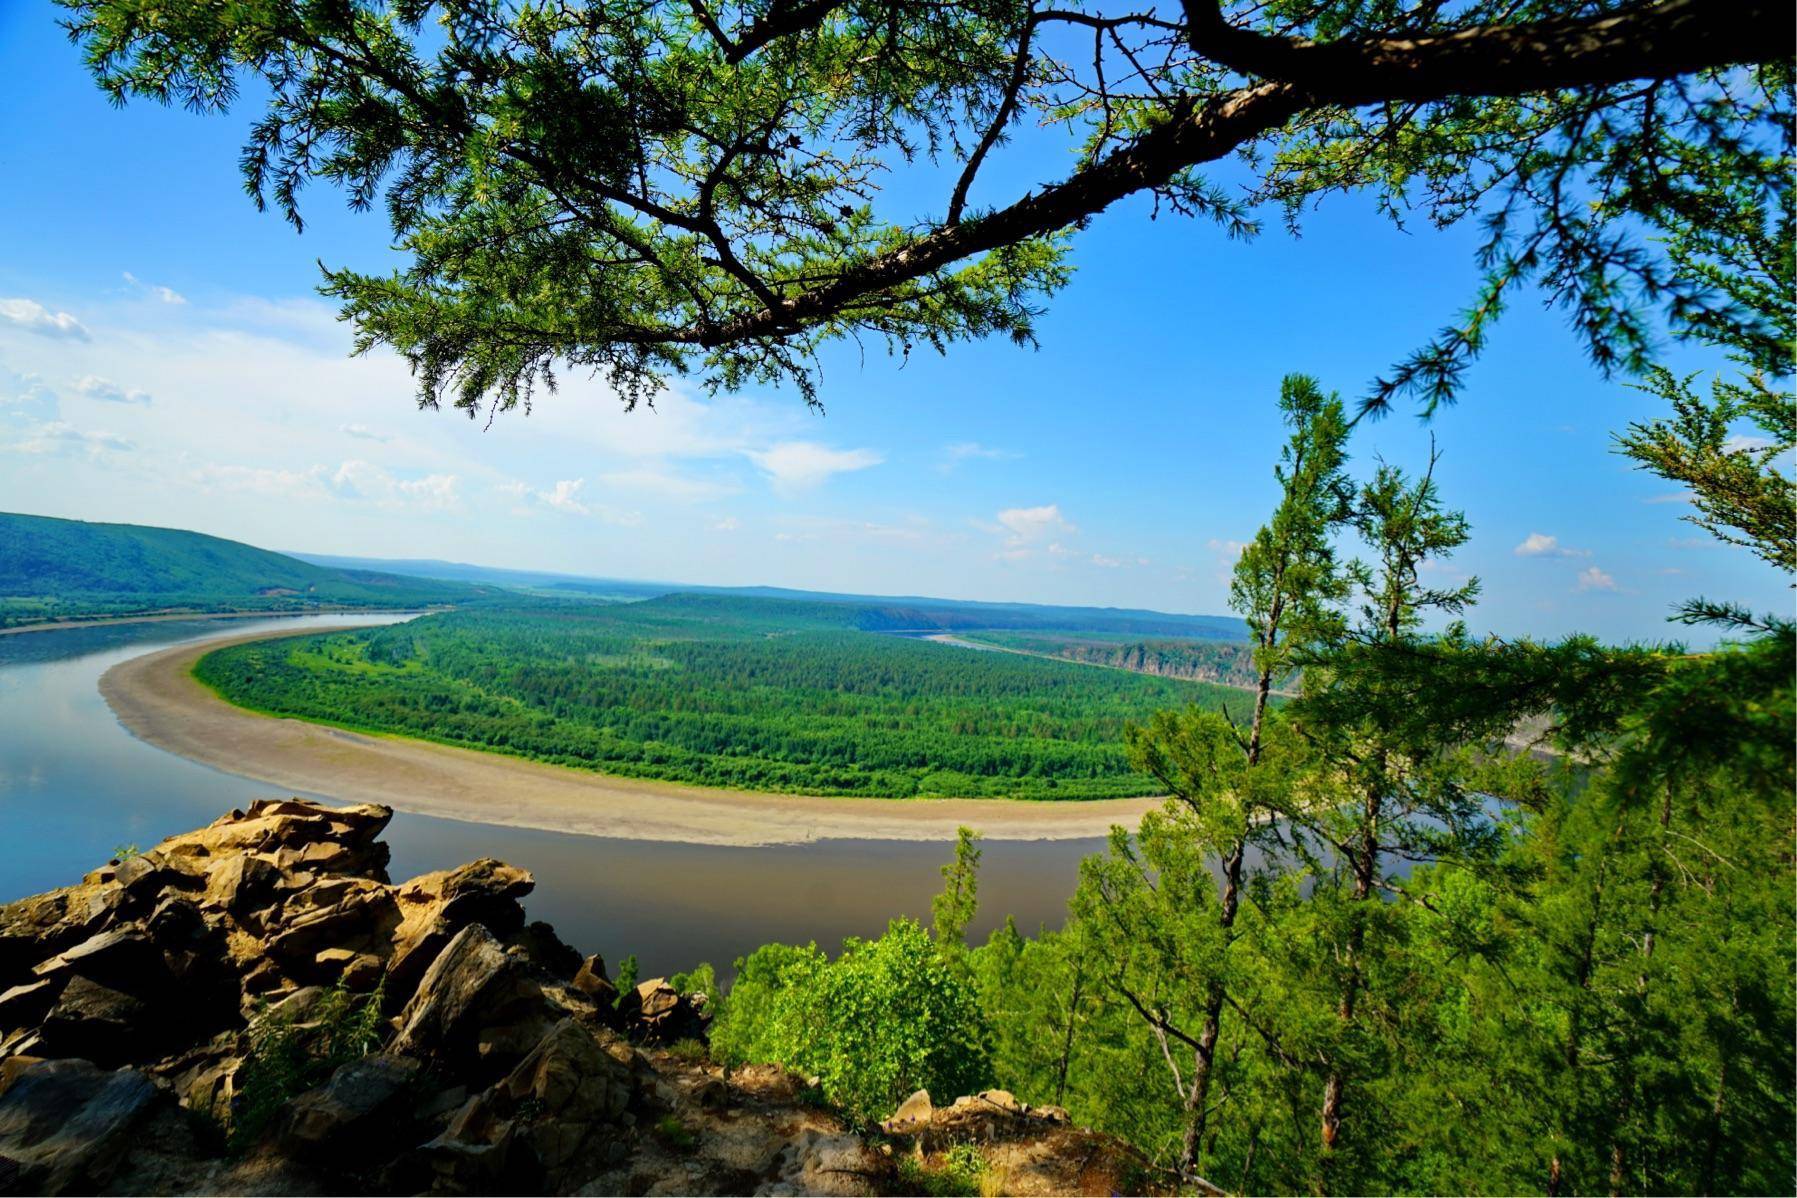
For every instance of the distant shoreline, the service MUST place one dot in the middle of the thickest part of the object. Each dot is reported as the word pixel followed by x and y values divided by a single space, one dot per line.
pixel 159 617
pixel 157 699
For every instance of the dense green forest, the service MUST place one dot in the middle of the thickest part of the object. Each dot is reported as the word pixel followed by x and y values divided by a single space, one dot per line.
pixel 53 569
pixel 769 694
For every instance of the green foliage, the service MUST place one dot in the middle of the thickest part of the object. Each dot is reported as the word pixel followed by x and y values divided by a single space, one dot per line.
pixel 57 569
pixel 670 1130
pixel 954 908
pixel 1732 451
pixel 642 189
pixel 763 694
pixel 286 1058
pixel 627 975
pixel 701 980
pixel 960 1172
pixel 124 852
pixel 689 1050
pixel 885 1018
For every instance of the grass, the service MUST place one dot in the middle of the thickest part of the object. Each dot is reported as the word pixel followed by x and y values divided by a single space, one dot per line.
pixel 675 1134
pixel 961 1172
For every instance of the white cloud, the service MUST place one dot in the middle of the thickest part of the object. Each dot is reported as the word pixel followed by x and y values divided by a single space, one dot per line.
pixel 962 451
pixel 1671 497
pixel 59 437
pixel 667 484
pixel 727 524
pixel 263 480
pixel 167 295
pixel 33 317
pixel 353 481
pixel 95 387
pixel 363 433
pixel 1593 579
pixel 1099 559
pixel 795 466
pixel 1539 544
pixel 1030 525
pixel 27 396
pixel 564 497
pixel 357 479
pixel 1746 444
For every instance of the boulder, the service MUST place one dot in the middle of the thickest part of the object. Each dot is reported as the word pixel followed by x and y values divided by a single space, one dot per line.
pixel 549 952
pixel 663 1014
pixel 65 1125
pixel 25 1005
pixel 472 986
pixel 125 959
pixel 353 1120
pixel 546 1125
pixel 99 1023
pixel 434 907
pixel 913 1113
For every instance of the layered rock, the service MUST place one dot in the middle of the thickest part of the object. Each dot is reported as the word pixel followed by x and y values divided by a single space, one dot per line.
pixel 254 1008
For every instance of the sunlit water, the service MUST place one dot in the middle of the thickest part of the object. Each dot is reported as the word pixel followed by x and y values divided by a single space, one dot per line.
pixel 74 785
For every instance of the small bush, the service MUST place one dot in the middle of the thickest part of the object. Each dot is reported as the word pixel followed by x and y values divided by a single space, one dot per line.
pixel 702 980
pixel 675 1134
pixel 887 1017
pixel 286 1058
pixel 961 1172
pixel 689 1050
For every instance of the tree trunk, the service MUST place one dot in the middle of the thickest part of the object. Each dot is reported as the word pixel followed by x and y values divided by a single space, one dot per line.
pixel 1060 1088
pixel 1205 1054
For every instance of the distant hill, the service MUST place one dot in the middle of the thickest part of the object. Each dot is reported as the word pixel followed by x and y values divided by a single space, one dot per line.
pixel 870 612
pixel 53 569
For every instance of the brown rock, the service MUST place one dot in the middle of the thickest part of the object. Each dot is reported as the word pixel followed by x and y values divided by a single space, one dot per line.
pixel 434 907
pixel 24 1005
pixel 66 1124
pixel 664 1015
pixel 913 1113
pixel 98 1023
pixel 473 985
pixel 351 1121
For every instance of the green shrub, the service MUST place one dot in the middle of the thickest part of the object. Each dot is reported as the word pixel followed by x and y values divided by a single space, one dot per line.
pixel 287 1058
pixel 701 979
pixel 675 1134
pixel 960 1172
pixel 887 1017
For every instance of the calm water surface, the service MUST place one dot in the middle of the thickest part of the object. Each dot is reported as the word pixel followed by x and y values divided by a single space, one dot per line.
pixel 74 784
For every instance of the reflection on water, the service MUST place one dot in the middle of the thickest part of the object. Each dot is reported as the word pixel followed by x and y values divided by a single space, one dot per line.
pixel 74 785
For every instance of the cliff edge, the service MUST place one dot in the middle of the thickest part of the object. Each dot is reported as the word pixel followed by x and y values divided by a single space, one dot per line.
pixel 253 1008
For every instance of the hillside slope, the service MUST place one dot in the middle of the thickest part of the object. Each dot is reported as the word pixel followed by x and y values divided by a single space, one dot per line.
pixel 53 569
pixel 872 612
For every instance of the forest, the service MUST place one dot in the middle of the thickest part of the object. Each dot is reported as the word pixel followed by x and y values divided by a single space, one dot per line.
pixel 765 694
pixel 53 569
pixel 1366 946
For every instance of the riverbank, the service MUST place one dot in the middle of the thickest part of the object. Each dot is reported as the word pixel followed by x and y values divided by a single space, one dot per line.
pixel 158 700
pixel 163 617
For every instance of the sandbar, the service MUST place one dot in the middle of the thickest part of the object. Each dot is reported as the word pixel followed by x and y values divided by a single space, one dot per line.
pixel 157 699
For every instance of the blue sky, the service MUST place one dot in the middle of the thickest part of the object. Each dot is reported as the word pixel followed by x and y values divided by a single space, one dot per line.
pixel 164 359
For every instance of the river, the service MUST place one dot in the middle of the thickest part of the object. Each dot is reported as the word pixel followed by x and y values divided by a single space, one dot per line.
pixel 74 784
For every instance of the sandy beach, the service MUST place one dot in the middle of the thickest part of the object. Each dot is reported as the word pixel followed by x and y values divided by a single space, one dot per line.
pixel 156 697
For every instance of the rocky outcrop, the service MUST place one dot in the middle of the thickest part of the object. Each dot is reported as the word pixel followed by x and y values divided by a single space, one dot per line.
pixel 254 1007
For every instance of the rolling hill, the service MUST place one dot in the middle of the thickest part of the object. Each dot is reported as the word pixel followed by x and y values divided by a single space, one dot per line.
pixel 54 569
pixel 870 612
